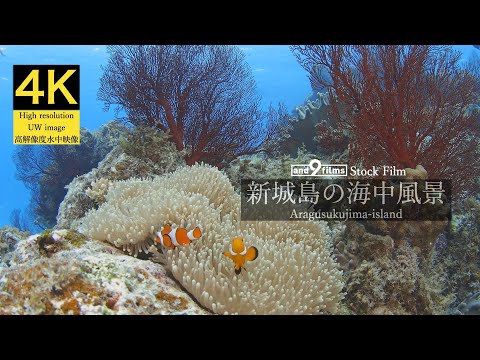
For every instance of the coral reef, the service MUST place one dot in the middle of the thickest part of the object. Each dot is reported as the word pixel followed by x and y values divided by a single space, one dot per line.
pixel 294 272
pixel 205 96
pixel 258 167
pixel 421 234
pixel 311 128
pixel 107 137
pixel 418 173
pixel 314 129
pixel 315 117
pixel 355 244
pixel 149 143
pixel 62 272
pixel 46 170
pixel 9 238
pixel 459 251
pixel 310 106
pixel 445 260
pixel 50 242
pixel 441 131
pixel 142 152
pixel 385 276
pixel 303 127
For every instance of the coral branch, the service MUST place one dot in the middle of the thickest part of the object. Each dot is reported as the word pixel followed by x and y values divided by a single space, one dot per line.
pixel 404 105
pixel 204 95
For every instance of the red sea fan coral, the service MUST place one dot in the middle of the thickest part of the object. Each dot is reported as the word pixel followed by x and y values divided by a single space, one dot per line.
pixel 404 106
pixel 205 96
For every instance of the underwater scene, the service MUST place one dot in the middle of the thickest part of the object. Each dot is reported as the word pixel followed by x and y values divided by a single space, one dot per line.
pixel 240 180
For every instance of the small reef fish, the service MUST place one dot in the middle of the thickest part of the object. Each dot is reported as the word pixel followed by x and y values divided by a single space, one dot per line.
pixel 174 236
pixel 239 254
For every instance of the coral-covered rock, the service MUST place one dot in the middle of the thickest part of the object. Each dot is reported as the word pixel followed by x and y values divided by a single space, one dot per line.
pixel 260 167
pixel 396 284
pixel 422 234
pixel 62 272
pixel 418 173
pixel 9 238
pixel 356 244
pixel 107 137
pixel 459 251
pixel 386 274
pixel 141 154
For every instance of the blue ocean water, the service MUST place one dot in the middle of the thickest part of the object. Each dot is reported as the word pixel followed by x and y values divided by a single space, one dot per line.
pixel 278 77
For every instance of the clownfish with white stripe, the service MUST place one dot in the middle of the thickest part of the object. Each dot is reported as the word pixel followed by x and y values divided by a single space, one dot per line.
pixel 174 236
pixel 239 254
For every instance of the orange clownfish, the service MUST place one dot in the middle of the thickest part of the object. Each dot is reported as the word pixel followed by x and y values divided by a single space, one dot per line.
pixel 239 254
pixel 172 237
